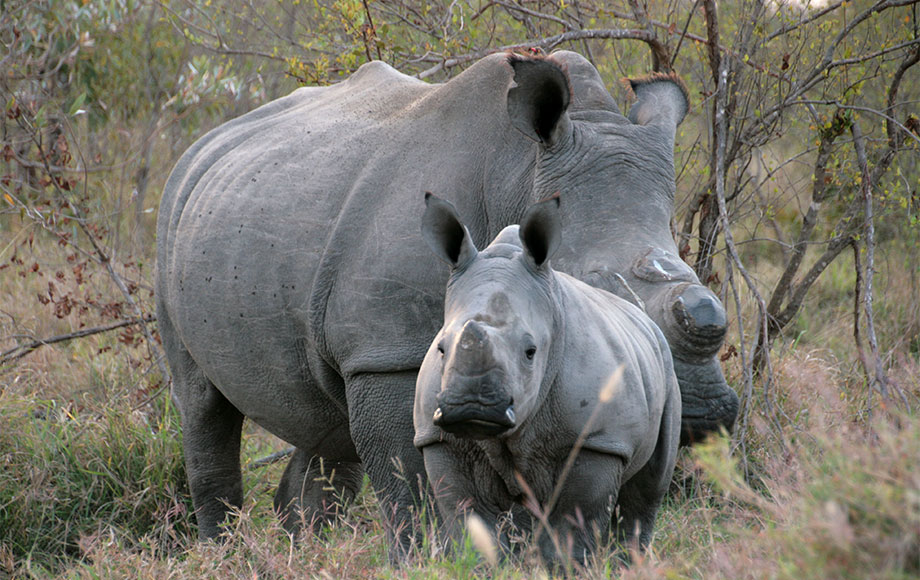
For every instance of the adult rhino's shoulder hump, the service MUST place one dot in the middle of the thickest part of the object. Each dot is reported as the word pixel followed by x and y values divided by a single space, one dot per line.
pixel 379 72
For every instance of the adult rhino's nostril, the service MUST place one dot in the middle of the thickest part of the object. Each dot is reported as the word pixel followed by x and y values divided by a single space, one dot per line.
pixel 701 318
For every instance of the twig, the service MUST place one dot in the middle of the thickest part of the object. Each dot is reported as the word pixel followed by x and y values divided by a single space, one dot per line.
pixel 879 380
pixel 370 33
pixel 661 60
pixel 22 350
pixel 720 135
pixel 857 302
pixel 103 257
pixel 545 43
pixel 819 193
pixel 272 458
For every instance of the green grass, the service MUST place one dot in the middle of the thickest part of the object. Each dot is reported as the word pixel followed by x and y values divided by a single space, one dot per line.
pixel 69 475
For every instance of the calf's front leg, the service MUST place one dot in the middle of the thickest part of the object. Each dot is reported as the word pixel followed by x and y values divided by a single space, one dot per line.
pixel 580 519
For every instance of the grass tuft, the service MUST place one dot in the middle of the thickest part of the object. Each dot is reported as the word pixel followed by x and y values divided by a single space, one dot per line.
pixel 71 478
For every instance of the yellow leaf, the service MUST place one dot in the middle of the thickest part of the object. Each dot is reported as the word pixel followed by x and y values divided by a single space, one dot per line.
pixel 8 199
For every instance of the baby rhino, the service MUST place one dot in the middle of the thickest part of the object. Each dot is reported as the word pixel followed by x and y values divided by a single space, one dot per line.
pixel 513 377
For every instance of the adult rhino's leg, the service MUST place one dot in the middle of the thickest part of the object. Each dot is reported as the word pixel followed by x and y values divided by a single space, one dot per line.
pixel 694 322
pixel 313 489
pixel 211 431
pixel 380 417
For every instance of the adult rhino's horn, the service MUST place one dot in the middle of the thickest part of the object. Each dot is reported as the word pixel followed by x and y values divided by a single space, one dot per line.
pixel 445 234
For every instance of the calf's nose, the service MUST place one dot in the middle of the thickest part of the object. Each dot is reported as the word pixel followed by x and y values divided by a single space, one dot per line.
pixel 474 353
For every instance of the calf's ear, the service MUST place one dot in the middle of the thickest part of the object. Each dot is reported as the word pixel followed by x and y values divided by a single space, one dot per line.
pixel 538 99
pixel 541 230
pixel 447 237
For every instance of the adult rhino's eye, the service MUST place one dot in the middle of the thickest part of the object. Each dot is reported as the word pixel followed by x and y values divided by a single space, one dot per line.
pixel 441 349
pixel 530 352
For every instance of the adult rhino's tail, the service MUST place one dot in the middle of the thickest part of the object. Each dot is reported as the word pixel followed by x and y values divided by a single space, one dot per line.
pixel 660 99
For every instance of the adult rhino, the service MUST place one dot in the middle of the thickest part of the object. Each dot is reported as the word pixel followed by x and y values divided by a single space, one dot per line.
pixel 293 286
pixel 520 374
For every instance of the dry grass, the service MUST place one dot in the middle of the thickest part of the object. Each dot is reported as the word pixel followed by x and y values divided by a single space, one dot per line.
pixel 92 485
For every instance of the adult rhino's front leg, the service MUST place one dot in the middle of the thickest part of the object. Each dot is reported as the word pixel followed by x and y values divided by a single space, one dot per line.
pixel 380 417
pixel 313 489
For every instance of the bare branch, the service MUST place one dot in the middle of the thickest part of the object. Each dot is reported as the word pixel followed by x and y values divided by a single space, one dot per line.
pixel 890 121
pixel 912 58
pixel 879 380
pixel 546 44
pixel 101 254
pixel 807 20
pixel 541 15
pixel 814 76
pixel 661 59
pixel 818 195
pixel 720 137
pixel 22 350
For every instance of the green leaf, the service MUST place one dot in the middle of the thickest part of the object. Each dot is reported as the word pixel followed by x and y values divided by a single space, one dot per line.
pixel 77 103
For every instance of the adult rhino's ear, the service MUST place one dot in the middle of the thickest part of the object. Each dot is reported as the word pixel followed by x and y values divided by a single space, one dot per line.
pixel 538 99
pixel 541 230
pixel 660 98
pixel 447 237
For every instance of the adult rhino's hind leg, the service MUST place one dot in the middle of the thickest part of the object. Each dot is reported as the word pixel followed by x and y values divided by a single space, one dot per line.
pixel 380 415
pixel 211 431
pixel 313 490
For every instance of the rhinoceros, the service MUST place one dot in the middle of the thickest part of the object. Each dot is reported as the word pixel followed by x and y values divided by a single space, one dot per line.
pixel 293 286
pixel 518 376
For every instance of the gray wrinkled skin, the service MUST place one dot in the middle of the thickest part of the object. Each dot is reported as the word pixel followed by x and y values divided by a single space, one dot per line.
pixel 293 286
pixel 518 335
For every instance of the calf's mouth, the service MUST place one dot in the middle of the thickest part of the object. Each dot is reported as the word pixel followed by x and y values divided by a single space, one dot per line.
pixel 473 420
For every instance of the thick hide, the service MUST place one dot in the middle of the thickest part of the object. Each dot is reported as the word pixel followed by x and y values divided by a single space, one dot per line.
pixel 293 286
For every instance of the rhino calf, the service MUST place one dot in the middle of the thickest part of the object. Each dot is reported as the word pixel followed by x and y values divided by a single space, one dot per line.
pixel 513 376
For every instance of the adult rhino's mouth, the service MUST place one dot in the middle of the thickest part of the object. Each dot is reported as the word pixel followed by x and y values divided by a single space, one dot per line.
pixel 474 421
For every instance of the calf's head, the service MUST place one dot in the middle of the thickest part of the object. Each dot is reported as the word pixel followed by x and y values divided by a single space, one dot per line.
pixel 495 350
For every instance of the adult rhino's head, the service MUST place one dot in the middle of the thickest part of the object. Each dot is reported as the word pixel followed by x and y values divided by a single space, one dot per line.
pixel 495 349
pixel 617 176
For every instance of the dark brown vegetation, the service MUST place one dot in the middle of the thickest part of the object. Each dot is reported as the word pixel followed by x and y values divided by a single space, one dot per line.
pixel 797 201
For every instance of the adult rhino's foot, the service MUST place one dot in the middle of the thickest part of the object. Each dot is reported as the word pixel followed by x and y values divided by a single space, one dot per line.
pixel 709 404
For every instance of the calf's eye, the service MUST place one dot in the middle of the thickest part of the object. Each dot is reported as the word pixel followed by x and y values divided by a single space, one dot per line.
pixel 530 352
